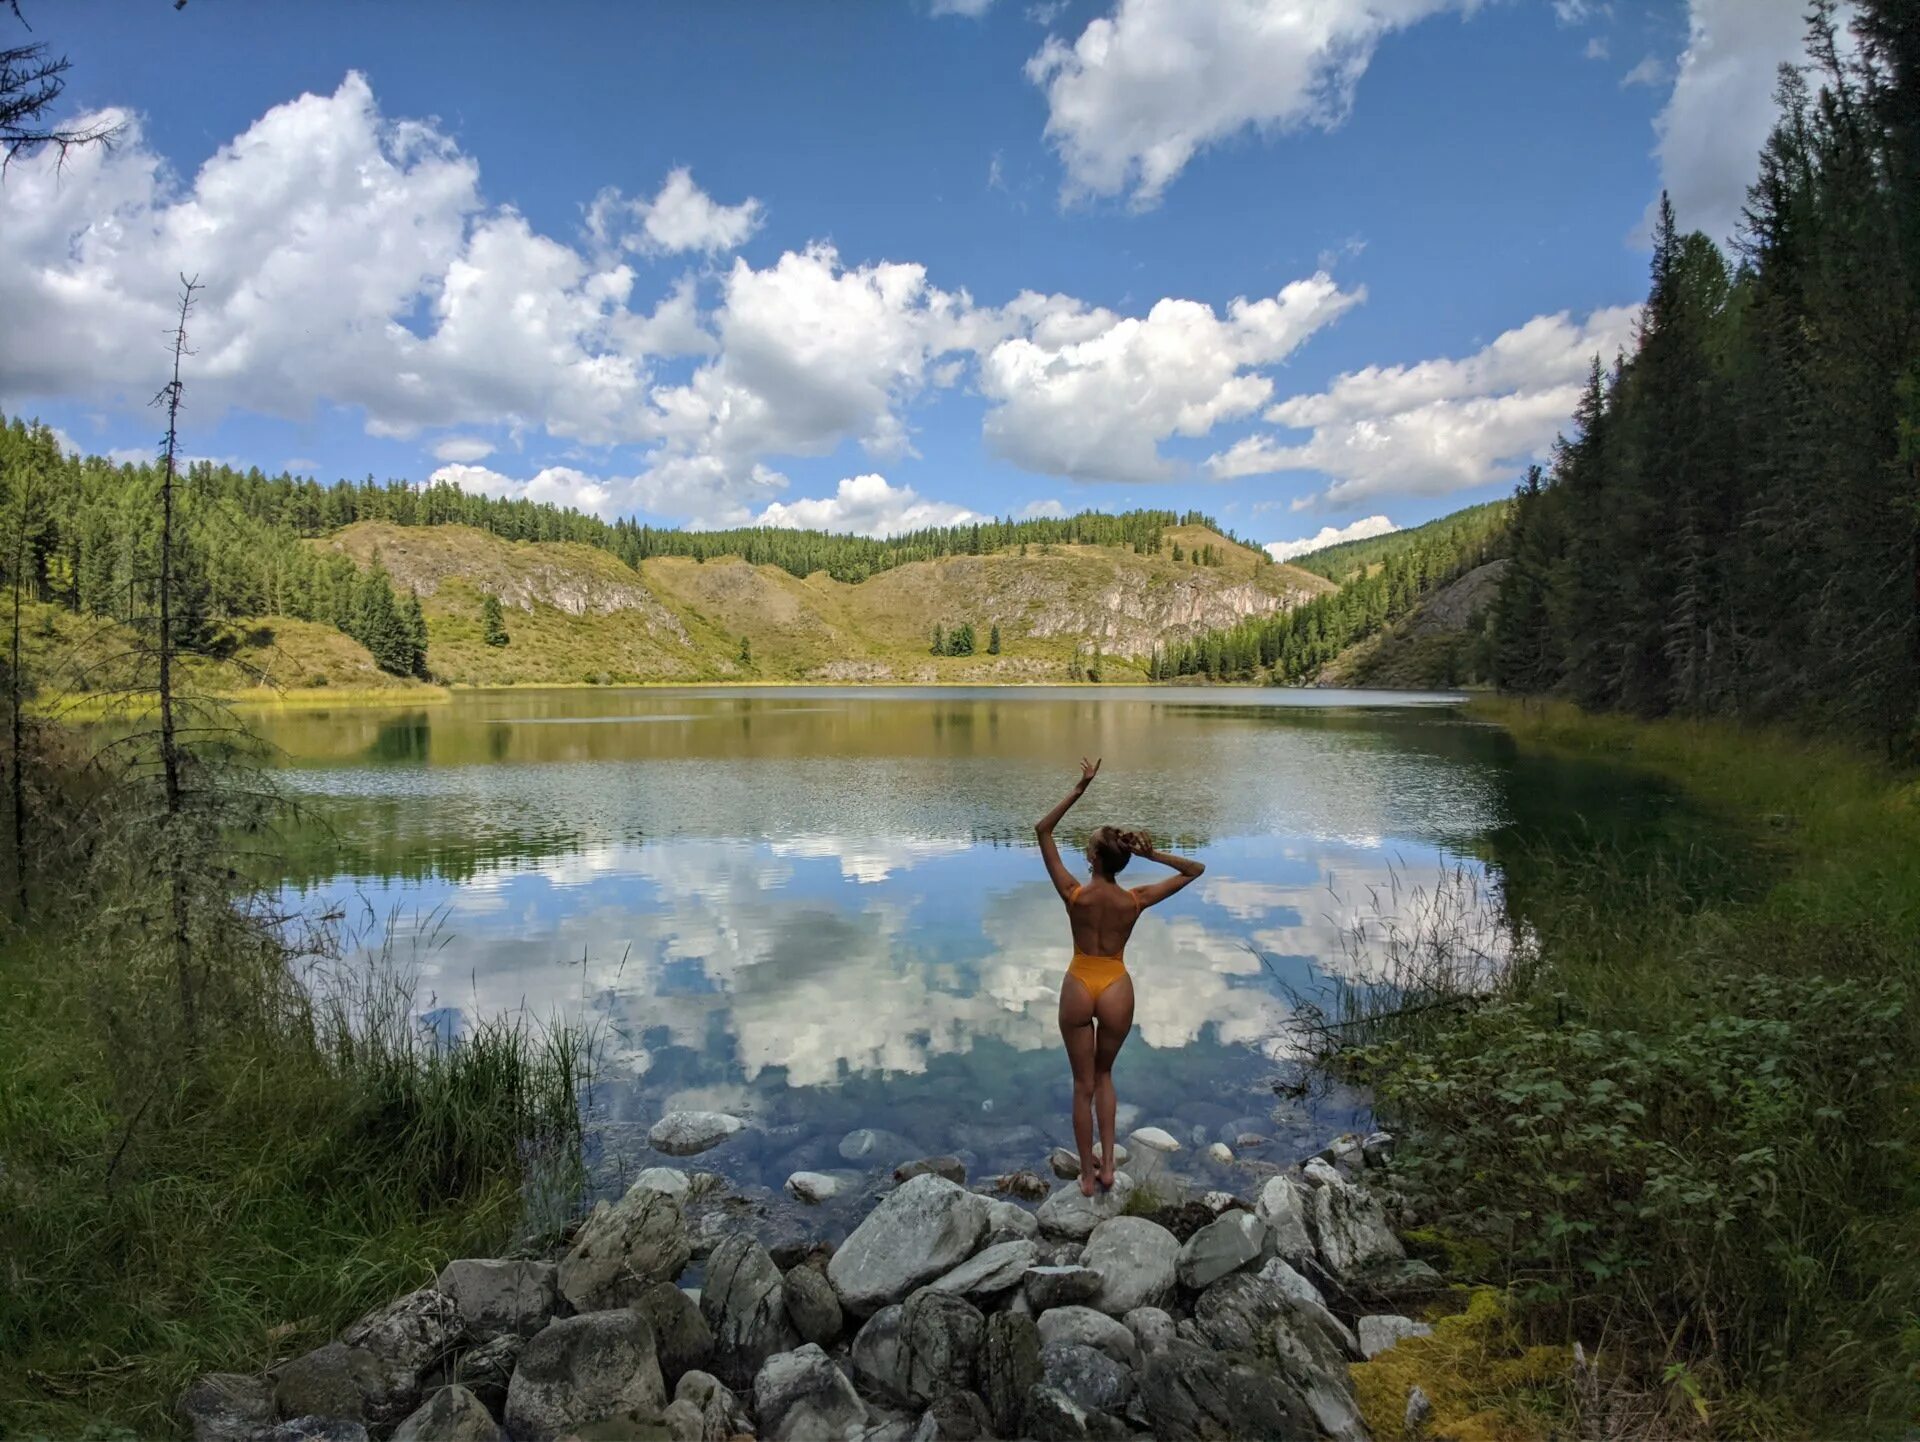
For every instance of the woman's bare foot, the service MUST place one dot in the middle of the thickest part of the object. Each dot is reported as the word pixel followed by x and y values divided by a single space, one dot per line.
pixel 1087 1183
pixel 1106 1177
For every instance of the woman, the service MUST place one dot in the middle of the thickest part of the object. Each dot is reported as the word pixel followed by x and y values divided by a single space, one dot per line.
pixel 1096 999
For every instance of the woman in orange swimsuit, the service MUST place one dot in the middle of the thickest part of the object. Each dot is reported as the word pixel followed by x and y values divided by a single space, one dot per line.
pixel 1096 999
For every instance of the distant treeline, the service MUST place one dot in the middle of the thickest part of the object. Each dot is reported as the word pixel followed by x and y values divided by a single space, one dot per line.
pixel 1344 560
pixel 1380 588
pixel 1734 526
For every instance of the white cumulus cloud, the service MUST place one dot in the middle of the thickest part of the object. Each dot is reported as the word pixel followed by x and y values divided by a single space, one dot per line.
pixel 1147 86
pixel 1360 530
pixel 1088 394
pixel 971 9
pixel 462 449
pixel 1721 108
pixel 866 506
pixel 1441 425
pixel 682 217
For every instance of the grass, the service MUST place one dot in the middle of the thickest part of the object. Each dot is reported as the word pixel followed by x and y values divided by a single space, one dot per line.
pixel 1679 1119
pixel 178 1200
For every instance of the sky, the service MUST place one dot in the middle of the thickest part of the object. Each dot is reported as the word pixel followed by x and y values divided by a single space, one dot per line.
pixel 1318 268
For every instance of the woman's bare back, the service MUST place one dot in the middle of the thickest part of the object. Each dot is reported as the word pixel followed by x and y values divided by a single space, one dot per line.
pixel 1102 914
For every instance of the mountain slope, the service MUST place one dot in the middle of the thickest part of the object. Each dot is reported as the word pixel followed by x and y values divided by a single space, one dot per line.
pixel 1440 644
pixel 577 613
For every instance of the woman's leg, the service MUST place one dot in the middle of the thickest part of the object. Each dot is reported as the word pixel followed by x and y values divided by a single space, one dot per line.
pixel 1076 1030
pixel 1114 1011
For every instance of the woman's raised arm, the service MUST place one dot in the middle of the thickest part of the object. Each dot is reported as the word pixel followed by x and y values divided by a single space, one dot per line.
pixel 1063 879
pixel 1141 845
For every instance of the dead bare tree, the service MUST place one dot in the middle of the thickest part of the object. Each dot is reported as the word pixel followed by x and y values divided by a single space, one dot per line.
pixel 31 80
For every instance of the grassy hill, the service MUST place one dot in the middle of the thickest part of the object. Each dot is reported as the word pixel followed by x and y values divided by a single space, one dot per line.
pixel 576 613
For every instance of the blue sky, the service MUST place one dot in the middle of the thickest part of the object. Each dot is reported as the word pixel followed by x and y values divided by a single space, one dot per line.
pixel 1298 263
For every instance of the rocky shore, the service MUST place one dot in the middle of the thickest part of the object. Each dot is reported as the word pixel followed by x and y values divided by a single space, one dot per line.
pixel 946 1313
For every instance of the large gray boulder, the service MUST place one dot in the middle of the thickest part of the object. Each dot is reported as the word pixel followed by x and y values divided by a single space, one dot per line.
pixel 452 1414
pixel 1283 1206
pixel 1316 1367
pixel 1137 1260
pixel 812 1305
pixel 623 1248
pixel 721 1415
pixel 331 1381
pixel 683 1342
pixel 1009 1367
pixel 408 1338
pixel 1072 1216
pixel 1065 1286
pixel 956 1417
pixel 1190 1393
pixel 682 1134
pixel 1226 1244
pixel 940 1337
pixel 1087 1328
pixel 1050 1415
pixel 1086 1374
pixel 1152 1329
pixel 1350 1229
pixel 922 1230
pixel 800 1396
pixel 1309 1305
pixel 583 1370
pixel 227 1406
pixel 500 1297
pixel 1007 1222
pixel 875 1355
pixel 989 1273
pixel 744 1302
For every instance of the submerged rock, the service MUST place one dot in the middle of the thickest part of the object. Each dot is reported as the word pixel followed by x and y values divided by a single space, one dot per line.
pixel 684 1133
pixel 925 1228
pixel 813 1186
pixel 583 1370
pixel 873 1146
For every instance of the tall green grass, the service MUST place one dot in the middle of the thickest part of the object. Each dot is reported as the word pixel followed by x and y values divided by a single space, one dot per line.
pixel 1677 1119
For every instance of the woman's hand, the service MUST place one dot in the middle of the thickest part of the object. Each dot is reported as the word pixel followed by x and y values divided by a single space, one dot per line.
pixel 1137 843
pixel 1088 770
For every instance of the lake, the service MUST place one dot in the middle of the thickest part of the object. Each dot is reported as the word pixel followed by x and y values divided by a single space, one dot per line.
pixel 823 910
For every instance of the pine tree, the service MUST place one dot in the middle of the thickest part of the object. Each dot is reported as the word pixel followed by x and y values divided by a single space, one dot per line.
pixel 993 640
pixel 746 651
pixel 939 647
pixel 415 622
pixel 493 622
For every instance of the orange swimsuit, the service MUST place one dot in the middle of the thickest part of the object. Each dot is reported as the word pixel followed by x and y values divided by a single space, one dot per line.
pixel 1097 973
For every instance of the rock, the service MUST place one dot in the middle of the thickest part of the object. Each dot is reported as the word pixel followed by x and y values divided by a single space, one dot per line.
pixel 1009 1366
pixel 1224 1245
pixel 721 1415
pixel 670 1180
pixel 956 1417
pixel 582 1370
pixel 1283 1207
pixel 495 1298
pixel 940 1337
pixel 1309 1304
pixel 1391 1286
pixel 227 1406
pixel 1065 1164
pixel 1190 1393
pixel 1152 1329
pixel 1317 1371
pixel 1319 1172
pixel 1028 1186
pixel 952 1168
pixel 986 1274
pixel 1220 1152
pixel 812 1306
pixel 744 1303
pixel 875 1355
pixel 1009 1223
pixel 1086 1374
pixel 314 1429
pixel 1068 1214
pixel 920 1231
pixel 621 1249
pixel 407 1339
pixel 682 1340
pixel 873 1146
pixel 1049 1415
pixel 1085 1327
pixel 330 1381
pixel 813 1186
pixel 1059 1254
pixel 890 1426
pixel 684 1422
pixel 1346 1152
pixel 1137 1261
pixel 1377 1149
pixel 682 1134
pixel 1218 1202
pixel 1419 1412
pixel 1251 1141
pixel 453 1414
pixel 1155 1139
pixel 486 1370
pixel 1378 1333
pixel 802 1395
pixel 1050 1287
pixel 1350 1229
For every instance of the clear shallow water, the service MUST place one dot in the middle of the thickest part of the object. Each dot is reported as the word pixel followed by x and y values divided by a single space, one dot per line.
pixel 823 910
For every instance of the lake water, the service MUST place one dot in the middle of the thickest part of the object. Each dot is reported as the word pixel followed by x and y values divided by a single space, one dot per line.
pixel 823 910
